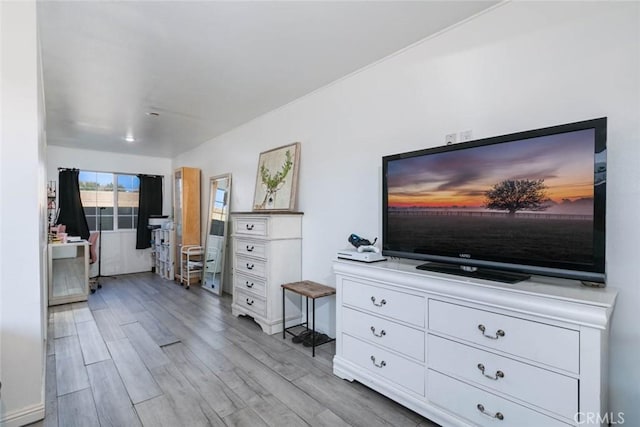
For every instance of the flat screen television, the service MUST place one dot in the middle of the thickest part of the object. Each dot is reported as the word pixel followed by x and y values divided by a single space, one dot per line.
pixel 502 208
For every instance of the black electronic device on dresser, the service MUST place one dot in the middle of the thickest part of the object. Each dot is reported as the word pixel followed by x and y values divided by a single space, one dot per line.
pixel 502 208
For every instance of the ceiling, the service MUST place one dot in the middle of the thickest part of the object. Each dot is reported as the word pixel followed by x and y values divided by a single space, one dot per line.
pixel 175 74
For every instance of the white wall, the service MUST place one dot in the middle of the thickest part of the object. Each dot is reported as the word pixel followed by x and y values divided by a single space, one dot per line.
pixel 520 66
pixel 119 253
pixel 22 218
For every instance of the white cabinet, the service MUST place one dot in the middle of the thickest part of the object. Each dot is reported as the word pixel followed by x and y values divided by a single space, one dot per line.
pixel 267 252
pixel 466 352
pixel 163 251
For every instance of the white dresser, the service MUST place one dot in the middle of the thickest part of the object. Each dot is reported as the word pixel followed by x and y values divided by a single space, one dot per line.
pixel 465 352
pixel 267 252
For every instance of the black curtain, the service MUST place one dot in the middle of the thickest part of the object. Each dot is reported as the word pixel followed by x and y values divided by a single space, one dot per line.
pixel 71 211
pixel 149 203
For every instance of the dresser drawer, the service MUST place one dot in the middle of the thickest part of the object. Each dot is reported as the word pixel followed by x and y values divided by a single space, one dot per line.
pixel 377 330
pixel 250 285
pixel 250 302
pixel 547 344
pixel 250 266
pixel 394 368
pixel 548 390
pixel 469 402
pixel 385 302
pixel 251 226
pixel 254 248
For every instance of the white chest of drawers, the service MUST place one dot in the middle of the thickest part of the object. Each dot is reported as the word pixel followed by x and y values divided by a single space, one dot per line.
pixel 267 252
pixel 466 352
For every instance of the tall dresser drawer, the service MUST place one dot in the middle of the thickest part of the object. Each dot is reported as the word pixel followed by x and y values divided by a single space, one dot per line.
pixel 250 266
pixel 251 302
pixel 548 390
pixel 250 285
pixel 554 346
pixel 254 248
pixel 482 408
pixel 385 302
pixel 381 362
pixel 251 226
pixel 377 330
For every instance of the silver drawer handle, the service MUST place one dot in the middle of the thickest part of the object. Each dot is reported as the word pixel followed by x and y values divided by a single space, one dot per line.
pixel 499 333
pixel 250 248
pixel 380 365
pixel 249 227
pixel 381 334
pixel 249 302
pixel 249 285
pixel 499 374
pixel 383 302
pixel 250 266
pixel 497 415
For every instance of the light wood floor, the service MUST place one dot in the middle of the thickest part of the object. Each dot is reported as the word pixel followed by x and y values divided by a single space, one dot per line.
pixel 145 351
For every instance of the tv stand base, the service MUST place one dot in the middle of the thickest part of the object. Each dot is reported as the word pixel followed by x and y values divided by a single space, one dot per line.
pixel 476 273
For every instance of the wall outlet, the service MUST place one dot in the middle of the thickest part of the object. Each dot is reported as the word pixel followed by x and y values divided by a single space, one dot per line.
pixel 466 135
pixel 450 138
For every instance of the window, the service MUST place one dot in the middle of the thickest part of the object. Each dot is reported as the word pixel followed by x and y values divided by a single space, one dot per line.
pixel 111 198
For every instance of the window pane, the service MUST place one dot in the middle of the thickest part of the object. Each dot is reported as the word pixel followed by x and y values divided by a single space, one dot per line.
pixel 92 222
pixel 125 222
pixel 116 193
pixel 107 223
pixel 124 211
pixel 96 190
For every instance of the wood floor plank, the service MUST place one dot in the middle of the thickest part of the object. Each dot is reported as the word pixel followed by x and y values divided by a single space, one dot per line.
pixel 108 325
pixel 296 399
pixel 110 395
pixel 64 324
pixel 217 394
pixel 51 394
pixel 71 374
pixel 51 348
pixel 288 370
pixel 246 417
pixel 189 406
pixel 157 412
pixel 334 393
pixel 327 418
pixel 150 353
pixel 116 305
pixel 137 379
pixel 96 302
pixel 77 409
pixel 132 304
pixel 91 342
pixel 81 312
pixel 161 335
pixel 275 413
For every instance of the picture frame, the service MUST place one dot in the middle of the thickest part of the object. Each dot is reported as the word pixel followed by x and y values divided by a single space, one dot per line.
pixel 277 179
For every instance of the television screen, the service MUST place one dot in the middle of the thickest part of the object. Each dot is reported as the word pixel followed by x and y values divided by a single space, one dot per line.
pixel 531 202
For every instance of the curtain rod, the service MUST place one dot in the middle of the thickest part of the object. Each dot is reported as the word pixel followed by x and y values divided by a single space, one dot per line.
pixel 150 176
pixel 67 169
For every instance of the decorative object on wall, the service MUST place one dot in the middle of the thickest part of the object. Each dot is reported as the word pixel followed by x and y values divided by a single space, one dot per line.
pixel 277 179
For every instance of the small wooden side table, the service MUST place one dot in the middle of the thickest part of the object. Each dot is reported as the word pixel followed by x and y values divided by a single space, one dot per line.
pixel 311 290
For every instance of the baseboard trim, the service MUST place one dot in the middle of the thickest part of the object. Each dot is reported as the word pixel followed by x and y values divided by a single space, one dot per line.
pixel 23 416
